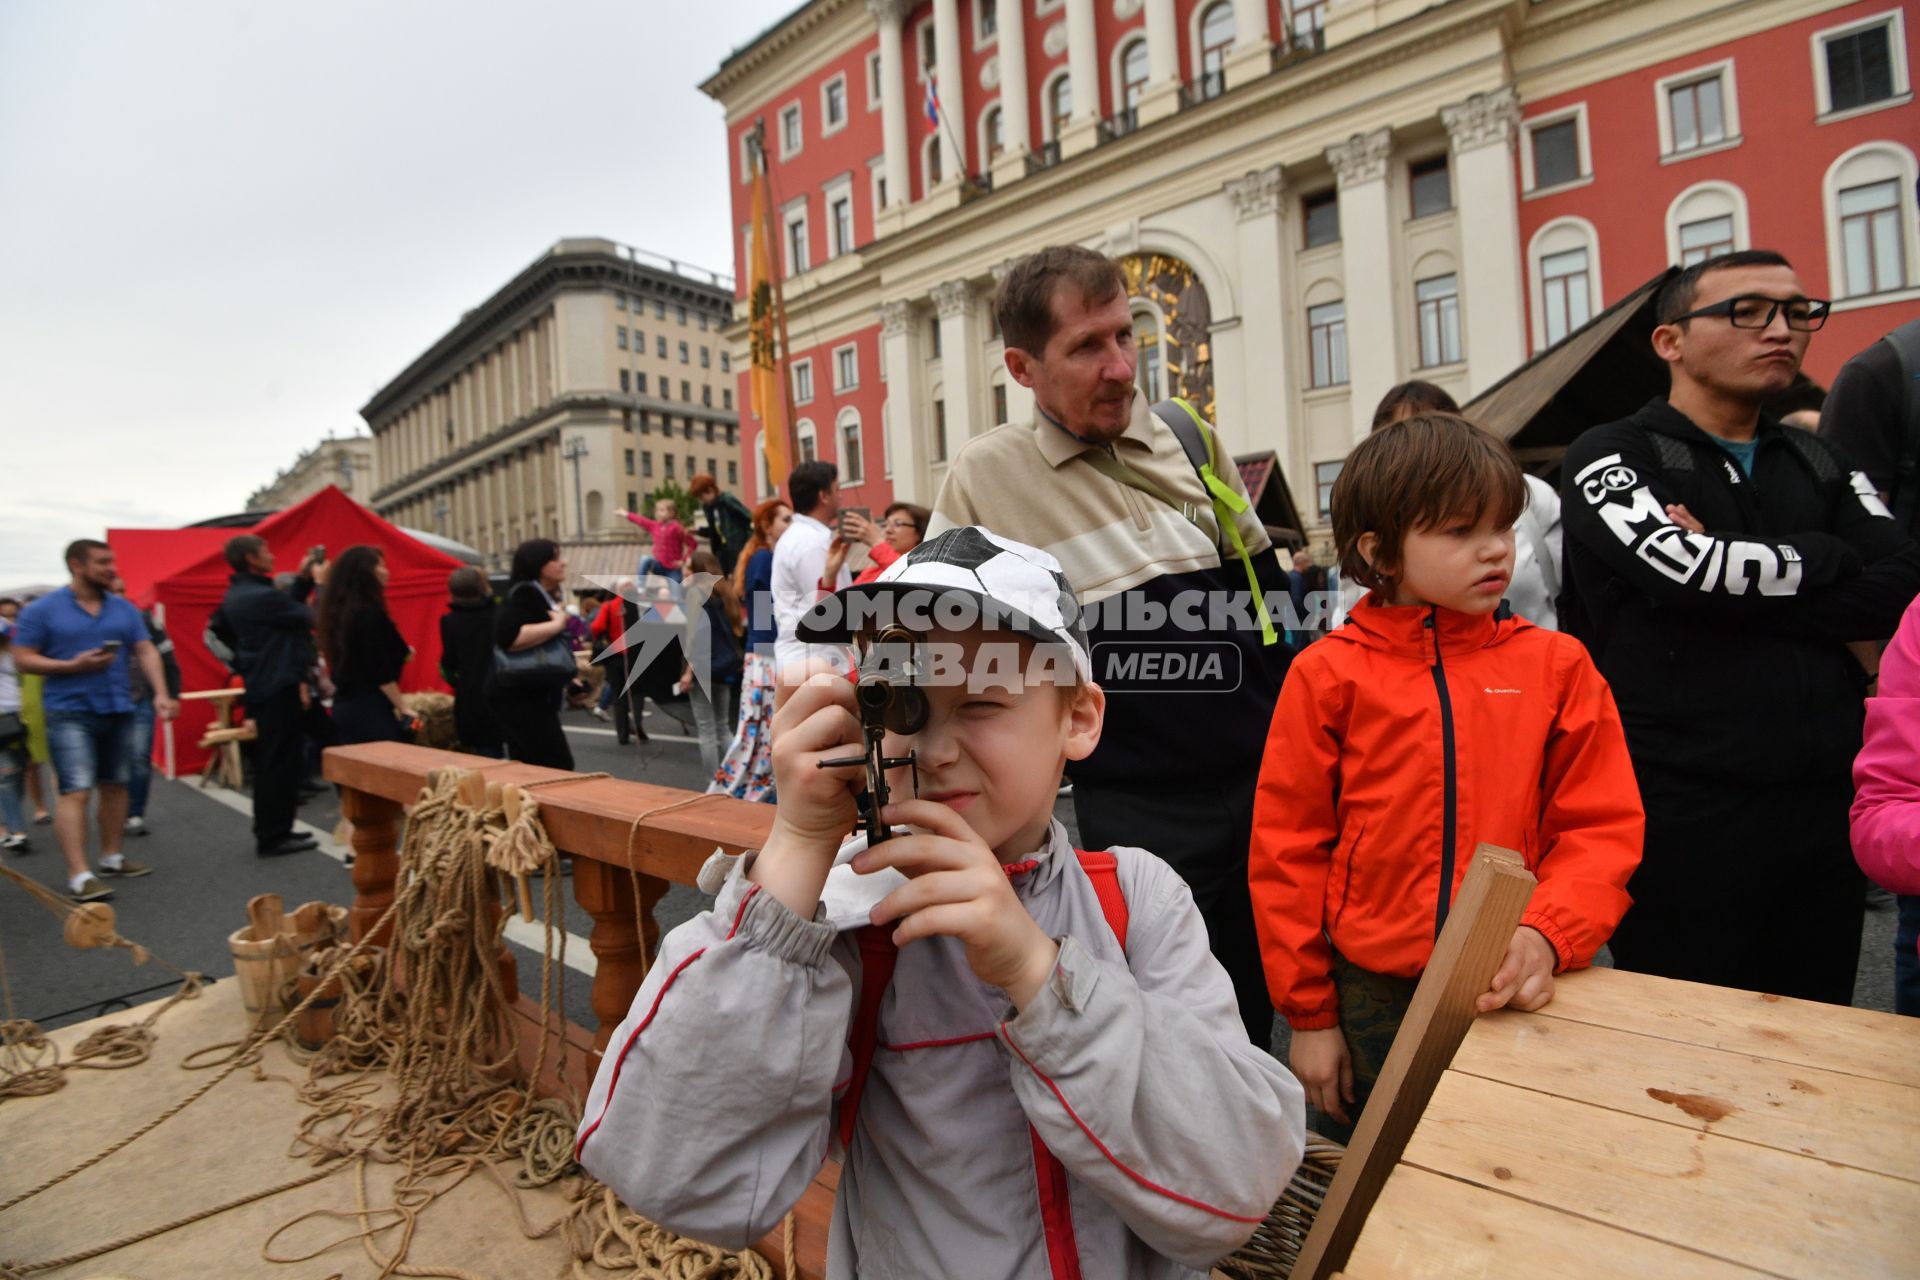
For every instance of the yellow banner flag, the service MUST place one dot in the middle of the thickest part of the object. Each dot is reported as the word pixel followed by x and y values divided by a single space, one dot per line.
pixel 768 377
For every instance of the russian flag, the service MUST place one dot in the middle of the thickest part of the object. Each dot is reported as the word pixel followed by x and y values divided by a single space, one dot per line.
pixel 933 103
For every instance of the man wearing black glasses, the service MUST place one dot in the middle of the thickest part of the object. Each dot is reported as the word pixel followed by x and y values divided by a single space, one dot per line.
pixel 1717 564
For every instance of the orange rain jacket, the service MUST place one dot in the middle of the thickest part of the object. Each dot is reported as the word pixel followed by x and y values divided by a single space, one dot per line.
pixel 1389 759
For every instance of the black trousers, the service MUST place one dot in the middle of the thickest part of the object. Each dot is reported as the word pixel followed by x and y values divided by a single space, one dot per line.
pixel 1202 829
pixel 279 763
pixel 1752 887
pixel 531 724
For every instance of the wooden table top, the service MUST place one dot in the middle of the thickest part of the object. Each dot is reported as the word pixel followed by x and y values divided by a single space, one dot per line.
pixel 1642 1126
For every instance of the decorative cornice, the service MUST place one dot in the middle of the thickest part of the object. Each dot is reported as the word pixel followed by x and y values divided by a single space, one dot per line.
pixel 1361 158
pixel 954 298
pixel 885 11
pixel 770 45
pixel 1258 193
pixel 896 318
pixel 1483 120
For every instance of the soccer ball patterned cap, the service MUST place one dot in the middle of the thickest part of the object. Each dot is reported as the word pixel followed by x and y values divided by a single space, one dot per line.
pixel 1013 587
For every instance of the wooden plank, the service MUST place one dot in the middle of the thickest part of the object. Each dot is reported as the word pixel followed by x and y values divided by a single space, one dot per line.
pixel 1868 1124
pixel 1426 1227
pixel 1787 1214
pixel 1479 927
pixel 1856 1042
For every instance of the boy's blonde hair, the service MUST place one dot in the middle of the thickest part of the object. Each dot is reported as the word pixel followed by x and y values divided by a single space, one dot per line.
pixel 1413 475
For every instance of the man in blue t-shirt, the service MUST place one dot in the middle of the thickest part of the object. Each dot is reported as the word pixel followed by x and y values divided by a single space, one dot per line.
pixel 79 638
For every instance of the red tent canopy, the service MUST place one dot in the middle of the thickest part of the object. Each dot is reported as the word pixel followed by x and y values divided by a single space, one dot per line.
pixel 145 556
pixel 416 597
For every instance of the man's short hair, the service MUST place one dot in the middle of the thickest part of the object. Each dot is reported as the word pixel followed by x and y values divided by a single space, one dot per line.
pixel 808 481
pixel 81 550
pixel 467 584
pixel 1413 475
pixel 1410 398
pixel 1677 295
pixel 1023 304
pixel 240 548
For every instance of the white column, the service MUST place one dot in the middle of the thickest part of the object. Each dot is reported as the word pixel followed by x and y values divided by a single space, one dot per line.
pixel 1252 55
pixel 1260 239
pixel 951 72
pixel 1492 287
pixel 893 97
pixel 1083 70
pixel 906 441
pixel 1162 96
pixel 1366 252
pixel 960 363
pixel 1016 125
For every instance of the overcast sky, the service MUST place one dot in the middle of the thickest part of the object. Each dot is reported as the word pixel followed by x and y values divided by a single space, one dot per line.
pixel 224 224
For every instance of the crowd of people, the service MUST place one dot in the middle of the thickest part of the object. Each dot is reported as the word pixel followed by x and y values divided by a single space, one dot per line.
pixel 1655 684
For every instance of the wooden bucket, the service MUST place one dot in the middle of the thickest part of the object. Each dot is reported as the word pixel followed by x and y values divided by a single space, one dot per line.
pixel 268 967
pixel 314 1026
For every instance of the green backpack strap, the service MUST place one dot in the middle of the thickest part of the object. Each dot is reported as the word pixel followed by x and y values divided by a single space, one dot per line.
pixel 1190 429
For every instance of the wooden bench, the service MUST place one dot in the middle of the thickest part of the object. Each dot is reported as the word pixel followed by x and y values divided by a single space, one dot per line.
pixel 223 739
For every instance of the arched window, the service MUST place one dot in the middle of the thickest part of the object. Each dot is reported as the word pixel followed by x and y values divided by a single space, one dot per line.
pixel 1135 67
pixel 930 161
pixel 993 132
pixel 808 447
pixel 1563 279
pixel 853 466
pixel 1149 341
pixel 1059 106
pixel 596 509
pixel 1215 42
pixel 1871 239
pixel 1704 221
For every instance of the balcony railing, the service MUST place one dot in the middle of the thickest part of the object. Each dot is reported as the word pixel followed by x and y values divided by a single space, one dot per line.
pixel 1295 46
pixel 1046 157
pixel 1205 89
pixel 1119 125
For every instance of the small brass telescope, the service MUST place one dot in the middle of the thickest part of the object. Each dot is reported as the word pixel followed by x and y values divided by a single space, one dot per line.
pixel 888 697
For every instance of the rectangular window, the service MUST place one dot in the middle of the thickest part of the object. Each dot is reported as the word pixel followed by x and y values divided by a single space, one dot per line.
pixel 726 399
pixel 986 18
pixel 680 312
pixel 929 52
pixel 1327 340
pixel 729 434
pixel 1706 238
pixel 712 468
pixel 633 499
pixel 1859 67
pixel 1321 214
pixel 686 395
pixel 873 82
pixel 1324 474
pixel 833 105
pixel 640 383
pixel 802 381
pixel 646 422
pixel 706 357
pixel 660 345
pixel 808 447
pixel 692 470
pixel 933 336
pixel 1698 114
pixel 733 472
pixel 846 368
pixel 1565 293
pixel 1870 241
pixel 726 362
pixel 659 308
pixel 629 462
pixel 626 380
pixel 639 340
pixel 1437 303
pixel 706 396
pixel 669 458
pixel 684 357
pixel 790 131
pixel 646 467
pixel 619 302
pixel 620 337
pixel 666 389
pixel 709 430
pixel 701 316
pixel 796 243
pixel 1428 184
pixel 1556 153
pixel 939 430
pixel 852 467
pixel 840 219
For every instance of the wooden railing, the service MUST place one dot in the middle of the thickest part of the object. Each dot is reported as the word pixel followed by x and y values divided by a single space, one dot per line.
pixel 592 819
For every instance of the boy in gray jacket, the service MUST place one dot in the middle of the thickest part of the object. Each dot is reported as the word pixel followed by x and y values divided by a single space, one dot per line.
pixel 1056 1087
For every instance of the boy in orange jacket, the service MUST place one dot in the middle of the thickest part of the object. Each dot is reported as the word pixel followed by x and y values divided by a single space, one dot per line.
pixel 1422 727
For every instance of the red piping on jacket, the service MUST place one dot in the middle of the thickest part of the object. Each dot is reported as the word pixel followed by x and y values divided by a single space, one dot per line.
pixel 1056 1210
pixel 939 1044
pixel 620 1063
pixel 1114 1160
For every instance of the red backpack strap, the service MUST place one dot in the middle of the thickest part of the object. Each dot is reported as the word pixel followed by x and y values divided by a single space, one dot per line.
pixel 877 954
pixel 1104 870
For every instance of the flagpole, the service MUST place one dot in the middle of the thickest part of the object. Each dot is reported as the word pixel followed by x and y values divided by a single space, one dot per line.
pixel 946 121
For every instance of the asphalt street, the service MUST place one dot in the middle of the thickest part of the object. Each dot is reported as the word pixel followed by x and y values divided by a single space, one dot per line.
pixel 201 849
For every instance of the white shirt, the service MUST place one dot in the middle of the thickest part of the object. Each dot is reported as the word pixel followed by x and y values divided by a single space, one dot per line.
pixel 799 560
pixel 9 682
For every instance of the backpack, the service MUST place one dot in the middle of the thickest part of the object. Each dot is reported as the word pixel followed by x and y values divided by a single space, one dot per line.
pixel 877 954
pixel 1905 342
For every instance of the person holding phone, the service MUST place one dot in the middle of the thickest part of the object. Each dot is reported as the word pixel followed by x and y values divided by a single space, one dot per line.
pixel 899 532
pixel 80 638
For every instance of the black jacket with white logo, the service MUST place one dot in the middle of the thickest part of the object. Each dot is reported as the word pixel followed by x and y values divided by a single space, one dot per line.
pixel 1726 649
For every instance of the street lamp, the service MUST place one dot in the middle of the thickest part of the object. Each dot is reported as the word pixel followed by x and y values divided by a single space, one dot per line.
pixel 574 450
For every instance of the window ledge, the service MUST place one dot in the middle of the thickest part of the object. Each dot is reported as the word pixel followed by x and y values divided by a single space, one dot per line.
pixel 1725 144
pixel 1834 117
pixel 1585 179
pixel 1909 294
pixel 1447 212
pixel 1451 366
pixel 1332 391
pixel 1319 253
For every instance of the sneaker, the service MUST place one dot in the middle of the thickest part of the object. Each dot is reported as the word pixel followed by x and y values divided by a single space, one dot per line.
pixel 89 890
pixel 287 844
pixel 135 827
pixel 42 819
pixel 600 713
pixel 126 869
pixel 17 843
